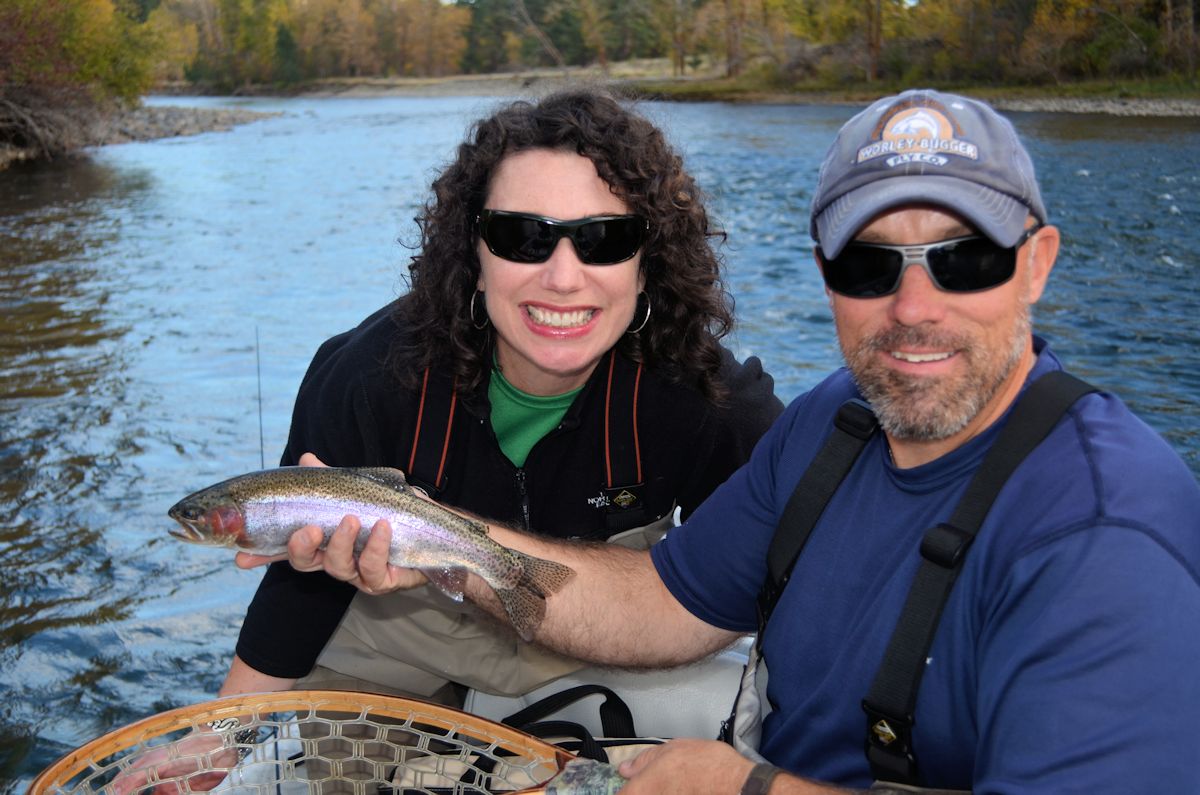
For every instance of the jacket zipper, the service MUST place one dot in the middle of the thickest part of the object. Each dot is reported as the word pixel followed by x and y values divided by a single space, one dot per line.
pixel 525 523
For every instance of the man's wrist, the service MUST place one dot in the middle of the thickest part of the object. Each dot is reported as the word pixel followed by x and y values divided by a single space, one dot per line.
pixel 759 780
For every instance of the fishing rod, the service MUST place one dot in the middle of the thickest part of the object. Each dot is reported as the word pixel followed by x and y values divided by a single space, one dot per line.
pixel 262 447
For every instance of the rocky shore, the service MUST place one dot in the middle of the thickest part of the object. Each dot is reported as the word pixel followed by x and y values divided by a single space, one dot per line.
pixel 1108 107
pixel 148 123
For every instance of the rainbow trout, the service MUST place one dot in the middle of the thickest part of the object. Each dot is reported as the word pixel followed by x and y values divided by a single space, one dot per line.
pixel 259 511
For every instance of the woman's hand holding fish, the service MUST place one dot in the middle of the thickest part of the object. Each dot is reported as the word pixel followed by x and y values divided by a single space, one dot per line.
pixel 369 572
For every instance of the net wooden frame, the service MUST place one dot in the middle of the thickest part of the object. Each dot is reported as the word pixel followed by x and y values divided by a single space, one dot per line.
pixel 366 743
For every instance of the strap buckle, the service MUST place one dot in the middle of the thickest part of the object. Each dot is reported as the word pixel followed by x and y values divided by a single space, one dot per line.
pixel 889 745
pixel 856 418
pixel 946 545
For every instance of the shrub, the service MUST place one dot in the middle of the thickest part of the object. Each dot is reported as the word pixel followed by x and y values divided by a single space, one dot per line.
pixel 63 64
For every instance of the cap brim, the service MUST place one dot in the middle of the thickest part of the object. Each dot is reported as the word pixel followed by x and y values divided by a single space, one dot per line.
pixel 995 214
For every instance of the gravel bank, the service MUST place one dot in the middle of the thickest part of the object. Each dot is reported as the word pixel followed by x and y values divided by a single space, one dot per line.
pixel 540 81
pixel 1189 107
pixel 149 123
pixel 1110 107
pixel 146 124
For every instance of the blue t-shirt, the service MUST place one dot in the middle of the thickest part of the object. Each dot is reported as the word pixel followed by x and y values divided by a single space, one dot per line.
pixel 1067 657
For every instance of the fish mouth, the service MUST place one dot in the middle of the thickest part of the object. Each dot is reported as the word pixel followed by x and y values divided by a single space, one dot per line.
pixel 187 534
pixel 189 530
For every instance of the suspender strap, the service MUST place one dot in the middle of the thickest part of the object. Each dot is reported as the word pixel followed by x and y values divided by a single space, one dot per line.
pixel 431 439
pixel 893 695
pixel 852 428
pixel 622 448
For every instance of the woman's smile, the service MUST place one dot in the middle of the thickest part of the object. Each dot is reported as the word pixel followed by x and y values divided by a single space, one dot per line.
pixel 557 320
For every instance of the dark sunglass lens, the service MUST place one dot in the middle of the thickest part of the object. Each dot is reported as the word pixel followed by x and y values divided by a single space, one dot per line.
pixel 519 239
pixel 610 241
pixel 973 264
pixel 863 271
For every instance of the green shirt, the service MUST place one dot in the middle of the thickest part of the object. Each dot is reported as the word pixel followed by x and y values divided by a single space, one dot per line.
pixel 520 420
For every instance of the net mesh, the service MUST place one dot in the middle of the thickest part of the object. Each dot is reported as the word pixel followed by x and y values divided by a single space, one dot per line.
pixel 310 742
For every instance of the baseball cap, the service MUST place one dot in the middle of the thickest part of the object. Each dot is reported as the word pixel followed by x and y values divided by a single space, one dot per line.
pixel 928 147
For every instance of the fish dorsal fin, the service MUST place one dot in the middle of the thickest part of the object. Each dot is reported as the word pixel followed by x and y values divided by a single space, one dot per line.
pixel 384 476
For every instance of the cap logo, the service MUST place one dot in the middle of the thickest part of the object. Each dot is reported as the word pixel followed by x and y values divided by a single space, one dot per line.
pixel 923 133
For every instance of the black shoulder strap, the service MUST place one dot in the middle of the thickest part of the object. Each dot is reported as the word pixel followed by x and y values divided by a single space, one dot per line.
pixel 623 476
pixel 893 696
pixel 852 428
pixel 431 438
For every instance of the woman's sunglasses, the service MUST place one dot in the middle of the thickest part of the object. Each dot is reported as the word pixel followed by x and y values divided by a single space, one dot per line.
pixel 599 240
pixel 959 265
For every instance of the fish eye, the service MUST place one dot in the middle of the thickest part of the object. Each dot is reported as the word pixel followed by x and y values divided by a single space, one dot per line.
pixel 192 512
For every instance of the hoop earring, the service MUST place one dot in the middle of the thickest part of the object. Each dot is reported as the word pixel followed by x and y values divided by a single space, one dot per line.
pixel 486 320
pixel 646 319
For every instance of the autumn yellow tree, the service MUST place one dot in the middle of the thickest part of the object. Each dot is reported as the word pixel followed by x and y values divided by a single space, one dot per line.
pixel 63 63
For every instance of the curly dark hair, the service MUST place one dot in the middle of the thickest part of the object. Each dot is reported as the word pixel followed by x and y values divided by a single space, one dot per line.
pixel 691 309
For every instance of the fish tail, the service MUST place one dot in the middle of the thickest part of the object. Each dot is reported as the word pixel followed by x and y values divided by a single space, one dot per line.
pixel 525 603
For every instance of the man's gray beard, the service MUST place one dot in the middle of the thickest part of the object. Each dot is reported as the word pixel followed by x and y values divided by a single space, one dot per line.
pixel 928 409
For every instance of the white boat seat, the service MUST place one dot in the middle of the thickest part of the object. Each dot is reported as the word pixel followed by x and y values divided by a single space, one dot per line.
pixel 691 701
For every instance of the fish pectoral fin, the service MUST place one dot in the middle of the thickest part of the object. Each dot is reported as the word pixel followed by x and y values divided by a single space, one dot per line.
pixel 451 582
pixel 385 476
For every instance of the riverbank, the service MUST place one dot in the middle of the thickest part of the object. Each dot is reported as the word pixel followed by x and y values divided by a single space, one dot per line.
pixel 147 123
pixel 645 81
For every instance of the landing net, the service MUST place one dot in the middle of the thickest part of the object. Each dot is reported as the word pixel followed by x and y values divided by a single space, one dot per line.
pixel 308 742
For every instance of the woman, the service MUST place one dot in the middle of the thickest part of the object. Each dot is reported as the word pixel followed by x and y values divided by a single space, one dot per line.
pixel 575 387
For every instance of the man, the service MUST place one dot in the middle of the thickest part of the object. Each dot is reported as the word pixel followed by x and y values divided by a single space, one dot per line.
pixel 1064 659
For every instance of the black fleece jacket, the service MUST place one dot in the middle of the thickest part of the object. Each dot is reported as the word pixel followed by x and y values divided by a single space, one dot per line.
pixel 351 411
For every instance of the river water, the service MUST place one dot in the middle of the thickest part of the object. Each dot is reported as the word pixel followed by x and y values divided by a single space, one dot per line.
pixel 148 288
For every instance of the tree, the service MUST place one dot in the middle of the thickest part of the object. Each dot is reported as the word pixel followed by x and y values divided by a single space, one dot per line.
pixel 287 55
pixel 63 64
pixel 439 43
pixel 588 23
pixel 676 22
pixel 525 19
pixel 488 35
pixel 352 37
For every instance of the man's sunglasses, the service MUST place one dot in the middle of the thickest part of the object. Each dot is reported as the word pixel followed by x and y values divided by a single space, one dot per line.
pixel 599 240
pixel 959 265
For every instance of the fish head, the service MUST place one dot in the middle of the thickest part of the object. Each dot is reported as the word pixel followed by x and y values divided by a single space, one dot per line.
pixel 210 517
